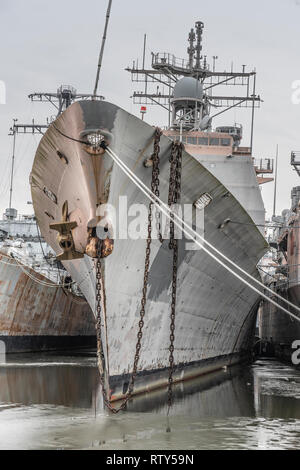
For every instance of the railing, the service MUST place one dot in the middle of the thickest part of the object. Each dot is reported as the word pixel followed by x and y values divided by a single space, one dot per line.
pixel 242 151
pixel 295 161
pixel 264 165
pixel 164 58
pixel 69 88
pixel 295 157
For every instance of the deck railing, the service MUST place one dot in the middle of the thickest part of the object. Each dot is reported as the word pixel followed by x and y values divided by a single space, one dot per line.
pixel 164 58
pixel 264 165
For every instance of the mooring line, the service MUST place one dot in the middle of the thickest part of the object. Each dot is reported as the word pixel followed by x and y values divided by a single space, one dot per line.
pixel 182 222
pixel 171 216
pixel 16 263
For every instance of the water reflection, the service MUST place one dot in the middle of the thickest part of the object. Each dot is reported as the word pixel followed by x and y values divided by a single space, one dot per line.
pixel 276 390
pixel 220 394
pixel 61 381
pixel 51 402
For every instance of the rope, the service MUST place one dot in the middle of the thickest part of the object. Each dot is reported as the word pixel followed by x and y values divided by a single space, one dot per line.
pixel 15 262
pixel 170 214
pixel 281 265
pixel 279 282
pixel 44 283
pixel 41 244
pixel 8 264
pixel 140 184
pixel 267 274
pixel 70 138
pixel 39 281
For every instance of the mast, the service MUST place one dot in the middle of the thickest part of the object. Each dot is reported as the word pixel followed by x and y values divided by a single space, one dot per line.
pixel 102 47
pixel 191 50
pixel 275 183
pixel 12 169
pixel 200 95
pixel 144 61
pixel 199 32
pixel 253 112
pixel 144 50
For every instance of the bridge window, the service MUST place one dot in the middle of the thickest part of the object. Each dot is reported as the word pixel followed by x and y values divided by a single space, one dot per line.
pixel 192 140
pixel 214 141
pixel 203 140
pixel 225 142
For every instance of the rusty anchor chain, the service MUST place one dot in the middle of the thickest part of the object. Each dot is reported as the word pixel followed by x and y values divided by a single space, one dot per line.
pixel 174 198
pixel 100 351
pixel 155 179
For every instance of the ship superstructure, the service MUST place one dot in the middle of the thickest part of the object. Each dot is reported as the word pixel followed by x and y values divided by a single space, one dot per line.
pixel 84 203
pixel 192 94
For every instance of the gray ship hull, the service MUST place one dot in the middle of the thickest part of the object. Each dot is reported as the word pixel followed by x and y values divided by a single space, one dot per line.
pixel 215 312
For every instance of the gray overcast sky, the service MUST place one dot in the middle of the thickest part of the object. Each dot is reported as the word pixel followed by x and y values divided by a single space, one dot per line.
pixel 47 43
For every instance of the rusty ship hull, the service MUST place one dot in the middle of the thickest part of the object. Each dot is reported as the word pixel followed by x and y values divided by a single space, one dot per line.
pixel 278 330
pixel 216 313
pixel 36 317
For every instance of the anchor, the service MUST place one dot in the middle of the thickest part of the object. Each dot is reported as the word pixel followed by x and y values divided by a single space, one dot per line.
pixel 107 244
pixel 65 237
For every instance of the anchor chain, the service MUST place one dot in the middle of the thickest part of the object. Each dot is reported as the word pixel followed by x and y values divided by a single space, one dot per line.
pixel 155 179
pixel 174 198
pixel 100 352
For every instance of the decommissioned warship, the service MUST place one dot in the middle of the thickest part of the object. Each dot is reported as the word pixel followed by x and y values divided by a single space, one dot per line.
pixel 76 186
pixel 41 309
pixel 282 274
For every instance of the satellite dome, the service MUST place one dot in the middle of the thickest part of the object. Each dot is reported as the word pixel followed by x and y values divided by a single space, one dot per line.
pixel 188 87
pixel 285 213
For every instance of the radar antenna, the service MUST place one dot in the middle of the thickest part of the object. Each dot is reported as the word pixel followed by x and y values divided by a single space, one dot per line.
pixel 199 32
pixel 191 50
pixel 186 89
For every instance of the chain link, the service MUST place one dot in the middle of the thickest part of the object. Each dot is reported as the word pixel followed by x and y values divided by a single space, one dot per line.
pixel 100 351
pixel 174 198
pixel 155 179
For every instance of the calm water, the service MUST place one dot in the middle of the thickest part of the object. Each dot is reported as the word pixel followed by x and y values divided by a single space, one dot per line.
pixel 50 402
